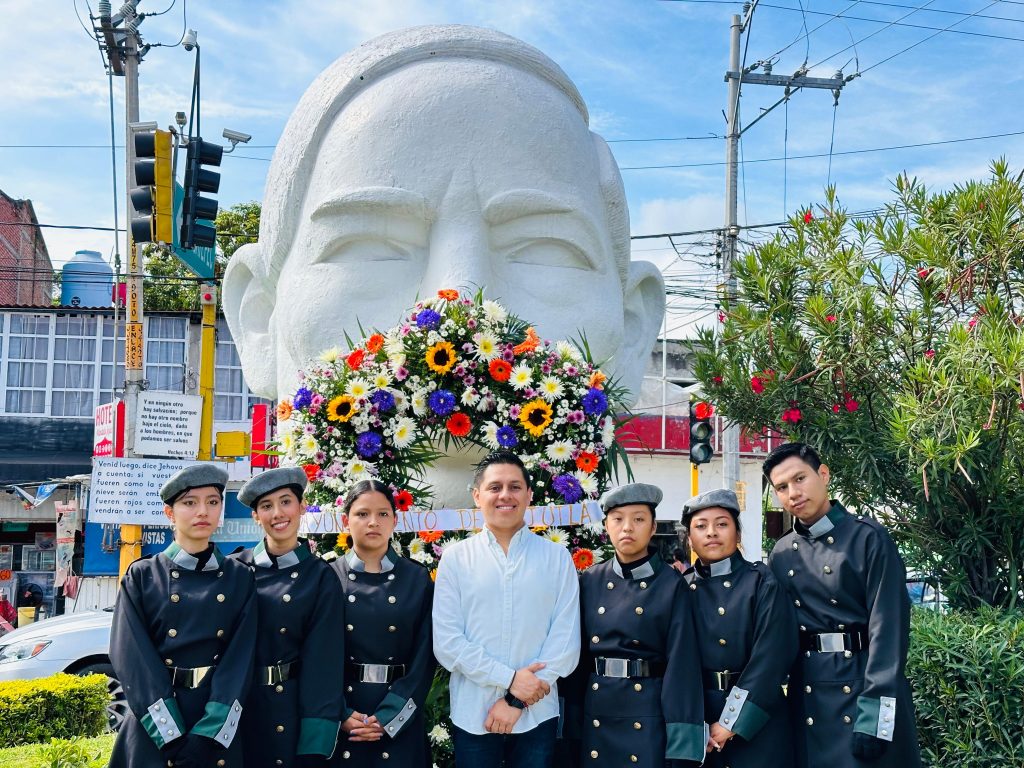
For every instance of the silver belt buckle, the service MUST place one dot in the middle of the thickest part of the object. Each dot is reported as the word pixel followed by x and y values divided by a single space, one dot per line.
pixel 722 680
pixel 275 674
pixel 616 667
pixel 831 642
pixel 375 673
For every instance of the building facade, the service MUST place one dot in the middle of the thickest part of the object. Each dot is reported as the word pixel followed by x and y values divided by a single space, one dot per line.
pixel 26 273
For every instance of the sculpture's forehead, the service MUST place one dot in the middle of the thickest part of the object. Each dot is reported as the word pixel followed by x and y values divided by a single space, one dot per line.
pixel 428 122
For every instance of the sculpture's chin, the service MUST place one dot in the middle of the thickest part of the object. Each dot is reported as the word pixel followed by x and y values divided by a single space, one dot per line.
pixel 451 477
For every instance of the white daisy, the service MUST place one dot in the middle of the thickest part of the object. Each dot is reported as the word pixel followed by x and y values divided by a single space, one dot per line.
pixel 438 735
pixel 381 379
pixel 357 388
pixel 587 482
pixel 490 431
pixel 550 388
pixel 397 360
pixel 522 376
pixel 560 450
pixel 286 440
pixel 359 469
pixel 330 355
pixel 469 397
pixel 486 345
pixel 401 402
pixel 568 351
pixel 308 445
pixel 405 432
pixel 608 431
pixel 557 535
pixel 494 312
pixel 393 344
pixel 419 402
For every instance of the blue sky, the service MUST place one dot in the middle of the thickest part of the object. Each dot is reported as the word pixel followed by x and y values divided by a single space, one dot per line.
pixel 648 69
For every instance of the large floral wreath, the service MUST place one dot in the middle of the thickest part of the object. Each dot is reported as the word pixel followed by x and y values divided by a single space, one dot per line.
pixel 458 370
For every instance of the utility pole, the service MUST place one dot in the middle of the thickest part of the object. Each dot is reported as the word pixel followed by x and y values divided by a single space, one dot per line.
pixel 735 77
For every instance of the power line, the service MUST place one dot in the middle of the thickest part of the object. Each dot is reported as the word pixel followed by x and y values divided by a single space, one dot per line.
pixel 825 154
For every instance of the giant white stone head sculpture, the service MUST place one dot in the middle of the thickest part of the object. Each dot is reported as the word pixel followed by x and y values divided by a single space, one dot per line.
pixel 439 157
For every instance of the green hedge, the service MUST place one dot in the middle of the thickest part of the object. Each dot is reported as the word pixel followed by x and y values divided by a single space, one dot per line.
pixel 60 706
pixel 967 672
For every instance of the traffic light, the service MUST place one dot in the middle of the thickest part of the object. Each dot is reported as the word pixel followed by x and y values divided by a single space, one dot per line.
pixel 153 196
pixel 701 431
pixel 197 212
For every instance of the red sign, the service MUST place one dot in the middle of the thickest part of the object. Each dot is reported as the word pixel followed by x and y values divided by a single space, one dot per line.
pixel 262 434
pixel 108 430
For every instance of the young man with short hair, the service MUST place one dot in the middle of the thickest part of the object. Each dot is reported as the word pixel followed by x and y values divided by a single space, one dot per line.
pixel 849 695
pixel 506 624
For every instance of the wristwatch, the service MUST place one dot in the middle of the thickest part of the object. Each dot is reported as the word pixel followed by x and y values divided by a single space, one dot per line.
pixel 512 701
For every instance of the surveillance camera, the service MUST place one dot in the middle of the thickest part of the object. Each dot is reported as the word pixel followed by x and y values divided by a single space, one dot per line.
pixel 236 136
pixel 189 40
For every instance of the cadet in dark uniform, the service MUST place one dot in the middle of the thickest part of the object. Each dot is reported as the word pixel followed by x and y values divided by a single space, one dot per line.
pixel 747 633
pixel 182 638
pixel 850 698
pixel 390 662
pixel 296 703
pixel 639 668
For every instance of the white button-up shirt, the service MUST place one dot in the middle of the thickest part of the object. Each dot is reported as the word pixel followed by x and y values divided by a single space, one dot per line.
pixel 496 613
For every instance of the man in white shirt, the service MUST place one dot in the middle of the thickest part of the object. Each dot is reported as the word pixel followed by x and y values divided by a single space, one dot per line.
pixel 507 626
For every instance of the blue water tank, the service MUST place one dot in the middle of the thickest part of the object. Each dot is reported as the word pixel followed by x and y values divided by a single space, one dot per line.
pixel 88 281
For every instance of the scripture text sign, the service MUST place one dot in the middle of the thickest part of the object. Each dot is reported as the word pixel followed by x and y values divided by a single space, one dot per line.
pixel 168 425
pixel 128 490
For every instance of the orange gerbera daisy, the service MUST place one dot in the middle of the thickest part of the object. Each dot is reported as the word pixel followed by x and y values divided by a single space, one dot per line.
pixel 430 536
pixel 597 380
pixel 586 461
pixel 499 370
pixel 284 410
pixel 355 359
pixel 582 559
pixel 530 343
pixel 374 343
pixel 448 294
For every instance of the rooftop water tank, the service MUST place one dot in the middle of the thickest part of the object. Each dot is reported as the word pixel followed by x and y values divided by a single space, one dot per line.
pixel 88 281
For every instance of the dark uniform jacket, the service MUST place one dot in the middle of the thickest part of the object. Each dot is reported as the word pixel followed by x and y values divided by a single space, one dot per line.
pixel 641 613
pixel 846 578
pixel 302 631
pixel 746 629
pixel 174 615
pixel 387 622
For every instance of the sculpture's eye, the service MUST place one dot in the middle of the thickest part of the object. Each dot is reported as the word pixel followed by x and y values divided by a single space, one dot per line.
pixel 549 252
pixel 354 250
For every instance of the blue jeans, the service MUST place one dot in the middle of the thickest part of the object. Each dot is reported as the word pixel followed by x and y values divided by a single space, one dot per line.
pixel 532 749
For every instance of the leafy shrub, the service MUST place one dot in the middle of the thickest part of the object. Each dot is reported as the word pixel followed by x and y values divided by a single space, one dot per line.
pixel 67 753
pixel 967 672
pixel 60 706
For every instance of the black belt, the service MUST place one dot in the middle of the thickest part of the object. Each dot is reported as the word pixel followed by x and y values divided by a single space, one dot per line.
pixel 852 640
pixel 628 668
pixel 278 673
pixel 721 681
pixel 375 673
pixel 189 677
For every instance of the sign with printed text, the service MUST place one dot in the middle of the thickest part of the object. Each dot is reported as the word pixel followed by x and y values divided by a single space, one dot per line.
pixel 108 429
pixel 128 490
pixel 168 425
pixel 133 346
pixel 551 515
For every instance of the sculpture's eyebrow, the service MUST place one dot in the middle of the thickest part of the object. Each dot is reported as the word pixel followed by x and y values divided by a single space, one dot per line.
pixel 516 203
pixel 394 200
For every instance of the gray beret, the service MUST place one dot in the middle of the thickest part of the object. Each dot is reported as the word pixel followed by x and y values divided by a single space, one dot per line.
pixel 195 476
pixel 634 493
pixel 270 481
pixel 719 497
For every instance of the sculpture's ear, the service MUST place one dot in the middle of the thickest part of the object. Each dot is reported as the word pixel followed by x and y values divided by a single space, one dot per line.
pixel 249 309
pixel 643 308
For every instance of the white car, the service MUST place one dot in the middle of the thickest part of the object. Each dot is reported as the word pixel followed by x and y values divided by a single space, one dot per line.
pixel 76 643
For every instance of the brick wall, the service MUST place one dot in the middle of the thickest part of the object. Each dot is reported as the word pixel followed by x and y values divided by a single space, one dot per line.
pixel 25 267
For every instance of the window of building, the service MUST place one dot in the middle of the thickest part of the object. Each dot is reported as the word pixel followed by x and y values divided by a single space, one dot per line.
pixel 166 346
pixel 27 362
pixel 233 399
pixel 74 366
pixel 112 363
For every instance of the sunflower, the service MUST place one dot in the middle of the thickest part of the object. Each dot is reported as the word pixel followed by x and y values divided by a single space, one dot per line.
pixel 341 408
pixel 342 542
pixel 441 357
pixel 535 417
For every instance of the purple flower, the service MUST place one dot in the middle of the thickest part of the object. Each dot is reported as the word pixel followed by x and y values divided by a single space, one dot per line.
pixel 506 437
pixel 470 323
pixel 574 417
pixel 594 402
pixel 545 368
pixel 368 444
pixel 383 399
pixel 313 509
pixel 514 411
pixel 568 487
pixel 428 319
pixel 401 373
pixel 570 369
pixel 441 402
pixel 507 354
pixel 437 550
pixel 303 397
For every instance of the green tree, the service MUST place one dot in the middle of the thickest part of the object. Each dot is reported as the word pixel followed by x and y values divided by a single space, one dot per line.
pixel 169 285
pixel 895 344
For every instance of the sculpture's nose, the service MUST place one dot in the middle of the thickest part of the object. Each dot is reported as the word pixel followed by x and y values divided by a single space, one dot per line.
pixel 460 254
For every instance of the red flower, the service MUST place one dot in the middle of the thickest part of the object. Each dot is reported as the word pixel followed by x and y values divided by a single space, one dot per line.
pixel 311 471
pixel 830 318
pixel 808 217
pixel 717 380
pixel 924 272
pixel 430 536
pixel 499 369
pixel 851 404
pixel 929 353
pixel 972 322
pixel 1021 405
pixel 768 374
pixel 721 317
pixel 582 559
pixel 374 343
pixel 835 408
pixel 792 415
pixel 757 384
pixel 586 461
pixel 459 424
pixel 355 359
pixel 403 500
